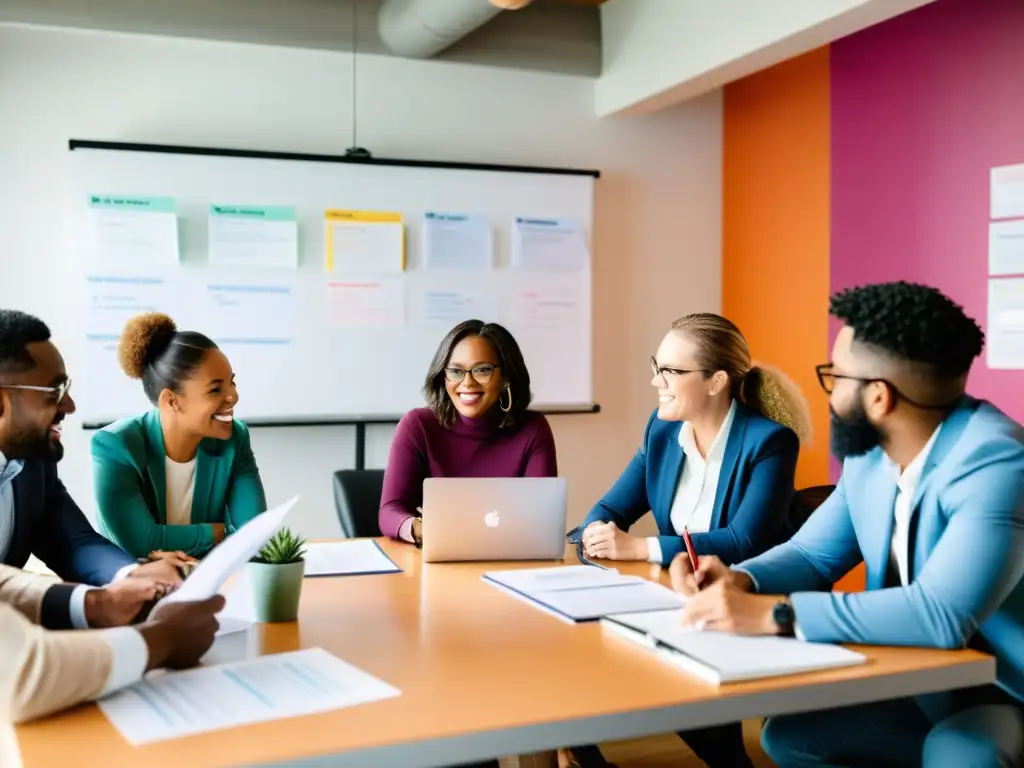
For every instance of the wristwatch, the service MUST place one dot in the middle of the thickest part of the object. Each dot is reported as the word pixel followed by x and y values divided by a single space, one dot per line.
pixel 417 532
pixel 784 617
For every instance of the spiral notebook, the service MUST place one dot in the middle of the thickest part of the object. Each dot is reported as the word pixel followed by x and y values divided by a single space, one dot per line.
pixel 722 657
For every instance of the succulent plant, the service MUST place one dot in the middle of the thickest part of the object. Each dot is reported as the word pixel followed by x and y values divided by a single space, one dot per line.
pixel 283 547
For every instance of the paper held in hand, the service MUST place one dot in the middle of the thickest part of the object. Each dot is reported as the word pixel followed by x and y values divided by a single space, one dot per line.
pixel 228 557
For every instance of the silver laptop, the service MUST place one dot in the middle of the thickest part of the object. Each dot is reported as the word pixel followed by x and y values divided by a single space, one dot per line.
pixel 493 518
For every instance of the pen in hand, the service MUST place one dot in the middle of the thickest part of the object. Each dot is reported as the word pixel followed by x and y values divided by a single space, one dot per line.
pixel 694 563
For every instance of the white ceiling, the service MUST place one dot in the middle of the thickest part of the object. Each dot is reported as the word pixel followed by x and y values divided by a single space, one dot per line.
pixel 549 36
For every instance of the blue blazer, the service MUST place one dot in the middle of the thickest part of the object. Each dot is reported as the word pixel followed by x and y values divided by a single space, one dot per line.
pixel 49 525
pixel 966 549
pixel 752 501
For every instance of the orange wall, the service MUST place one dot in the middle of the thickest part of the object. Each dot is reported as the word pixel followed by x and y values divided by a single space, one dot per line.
pixel 775 262
pixel 775 248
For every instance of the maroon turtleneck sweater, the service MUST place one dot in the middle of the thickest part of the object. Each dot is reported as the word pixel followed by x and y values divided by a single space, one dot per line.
pixel 422 448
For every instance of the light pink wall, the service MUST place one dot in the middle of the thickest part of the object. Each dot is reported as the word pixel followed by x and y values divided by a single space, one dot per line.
pixel 922 107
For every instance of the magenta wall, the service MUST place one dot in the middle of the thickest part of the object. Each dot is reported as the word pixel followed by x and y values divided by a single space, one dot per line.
pixel 922 106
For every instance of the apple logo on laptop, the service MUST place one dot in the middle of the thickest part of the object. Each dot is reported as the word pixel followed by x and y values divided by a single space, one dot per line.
pixel 492 518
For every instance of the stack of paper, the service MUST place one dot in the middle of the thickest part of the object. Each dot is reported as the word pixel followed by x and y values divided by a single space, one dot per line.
pixel 584 593
pixel 722 657
pixel 168 706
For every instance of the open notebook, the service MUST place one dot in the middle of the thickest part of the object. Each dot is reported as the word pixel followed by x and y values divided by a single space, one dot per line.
pixel 583 593
pixel 721 657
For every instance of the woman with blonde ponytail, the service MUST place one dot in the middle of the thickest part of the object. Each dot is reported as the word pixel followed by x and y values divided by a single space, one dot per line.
pixel 717 460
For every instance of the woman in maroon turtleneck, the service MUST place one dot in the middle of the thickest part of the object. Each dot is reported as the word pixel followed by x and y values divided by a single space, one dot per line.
pixel 476 424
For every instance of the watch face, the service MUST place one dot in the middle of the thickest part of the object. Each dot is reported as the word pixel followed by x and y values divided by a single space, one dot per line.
pixel 782 614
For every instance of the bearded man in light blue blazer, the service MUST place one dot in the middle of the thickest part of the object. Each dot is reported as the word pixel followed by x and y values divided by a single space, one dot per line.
pixel 931 499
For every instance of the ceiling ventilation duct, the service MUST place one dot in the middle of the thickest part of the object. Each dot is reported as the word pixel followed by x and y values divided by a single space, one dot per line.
pixel 423 28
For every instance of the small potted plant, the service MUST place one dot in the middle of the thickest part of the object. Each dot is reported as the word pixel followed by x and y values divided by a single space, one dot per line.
pixel 276 577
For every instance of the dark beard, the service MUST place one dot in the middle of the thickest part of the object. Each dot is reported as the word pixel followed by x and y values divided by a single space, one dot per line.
pixel 28 444
pixel 853 435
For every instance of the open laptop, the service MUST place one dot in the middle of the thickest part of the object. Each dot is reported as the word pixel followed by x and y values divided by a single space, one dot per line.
pixel 493 518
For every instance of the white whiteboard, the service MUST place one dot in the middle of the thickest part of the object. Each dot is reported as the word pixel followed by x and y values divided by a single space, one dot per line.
pixel 318 371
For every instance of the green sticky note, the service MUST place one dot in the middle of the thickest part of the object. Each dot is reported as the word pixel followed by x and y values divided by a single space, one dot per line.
pixel 133 203
pixel 262 212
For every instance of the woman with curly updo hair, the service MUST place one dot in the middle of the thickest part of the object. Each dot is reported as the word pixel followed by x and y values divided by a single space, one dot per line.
pixel 181 476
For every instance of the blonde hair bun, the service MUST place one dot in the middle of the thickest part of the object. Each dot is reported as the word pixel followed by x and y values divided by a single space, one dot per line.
pixel 138 338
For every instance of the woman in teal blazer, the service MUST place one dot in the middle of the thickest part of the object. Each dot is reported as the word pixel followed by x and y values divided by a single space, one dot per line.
pixel 183 476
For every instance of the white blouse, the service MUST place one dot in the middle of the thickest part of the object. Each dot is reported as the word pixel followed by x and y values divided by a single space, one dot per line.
pixel 694 503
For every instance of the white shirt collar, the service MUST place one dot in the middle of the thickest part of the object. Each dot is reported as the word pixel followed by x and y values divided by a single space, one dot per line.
pixel 717 449
pixel 911 476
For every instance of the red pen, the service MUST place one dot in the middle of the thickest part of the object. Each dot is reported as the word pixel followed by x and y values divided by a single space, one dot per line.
pixel 689 549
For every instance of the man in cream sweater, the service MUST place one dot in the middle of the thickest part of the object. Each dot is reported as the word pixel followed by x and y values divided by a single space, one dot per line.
pixel 45 671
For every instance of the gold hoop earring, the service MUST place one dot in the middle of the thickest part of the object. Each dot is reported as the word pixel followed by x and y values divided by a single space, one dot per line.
pixel 508 388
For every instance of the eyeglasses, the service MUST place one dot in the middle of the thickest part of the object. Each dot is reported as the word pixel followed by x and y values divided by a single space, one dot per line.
pixel 827 379
pixel 661 370
pixel 58 391
pixel 480 373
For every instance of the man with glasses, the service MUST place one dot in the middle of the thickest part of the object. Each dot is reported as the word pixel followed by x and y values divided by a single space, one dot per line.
pixel 37 515
pixel 931 499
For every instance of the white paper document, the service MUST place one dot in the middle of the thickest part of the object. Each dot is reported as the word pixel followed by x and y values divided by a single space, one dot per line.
pixel 266 688
pixel 1004 345
pixel 572 593
pixel 549 244
pixel 133 231
pixel 593 603
pixel 457 241
pixel 228 557
pixel 562 577
pixel 347 558
pixel 1006 247
pixel 254 236
pixel 1007 191
pixel 722 657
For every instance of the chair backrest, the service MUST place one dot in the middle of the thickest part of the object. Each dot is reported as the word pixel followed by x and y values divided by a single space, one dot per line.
pixel 357 500
pixel 805 501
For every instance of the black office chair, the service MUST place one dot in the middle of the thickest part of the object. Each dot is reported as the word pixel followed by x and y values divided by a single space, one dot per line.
pixel 357 500
pixel 805 502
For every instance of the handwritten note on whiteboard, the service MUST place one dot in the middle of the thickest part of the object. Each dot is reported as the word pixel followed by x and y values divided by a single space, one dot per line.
pixel 250 312
pixel 366 302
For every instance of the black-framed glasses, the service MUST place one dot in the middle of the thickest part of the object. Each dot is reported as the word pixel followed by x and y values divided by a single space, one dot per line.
pixel 661 370
pixel 58 392
pixel 481 373
pixel 827 378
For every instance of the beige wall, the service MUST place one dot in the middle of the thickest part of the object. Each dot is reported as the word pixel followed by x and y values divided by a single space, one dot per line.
pixel 658 207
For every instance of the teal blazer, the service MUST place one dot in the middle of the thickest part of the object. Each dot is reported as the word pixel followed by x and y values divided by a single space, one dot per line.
pixel 131 492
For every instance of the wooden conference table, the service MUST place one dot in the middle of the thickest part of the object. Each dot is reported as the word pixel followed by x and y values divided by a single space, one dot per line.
pixel 482 675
